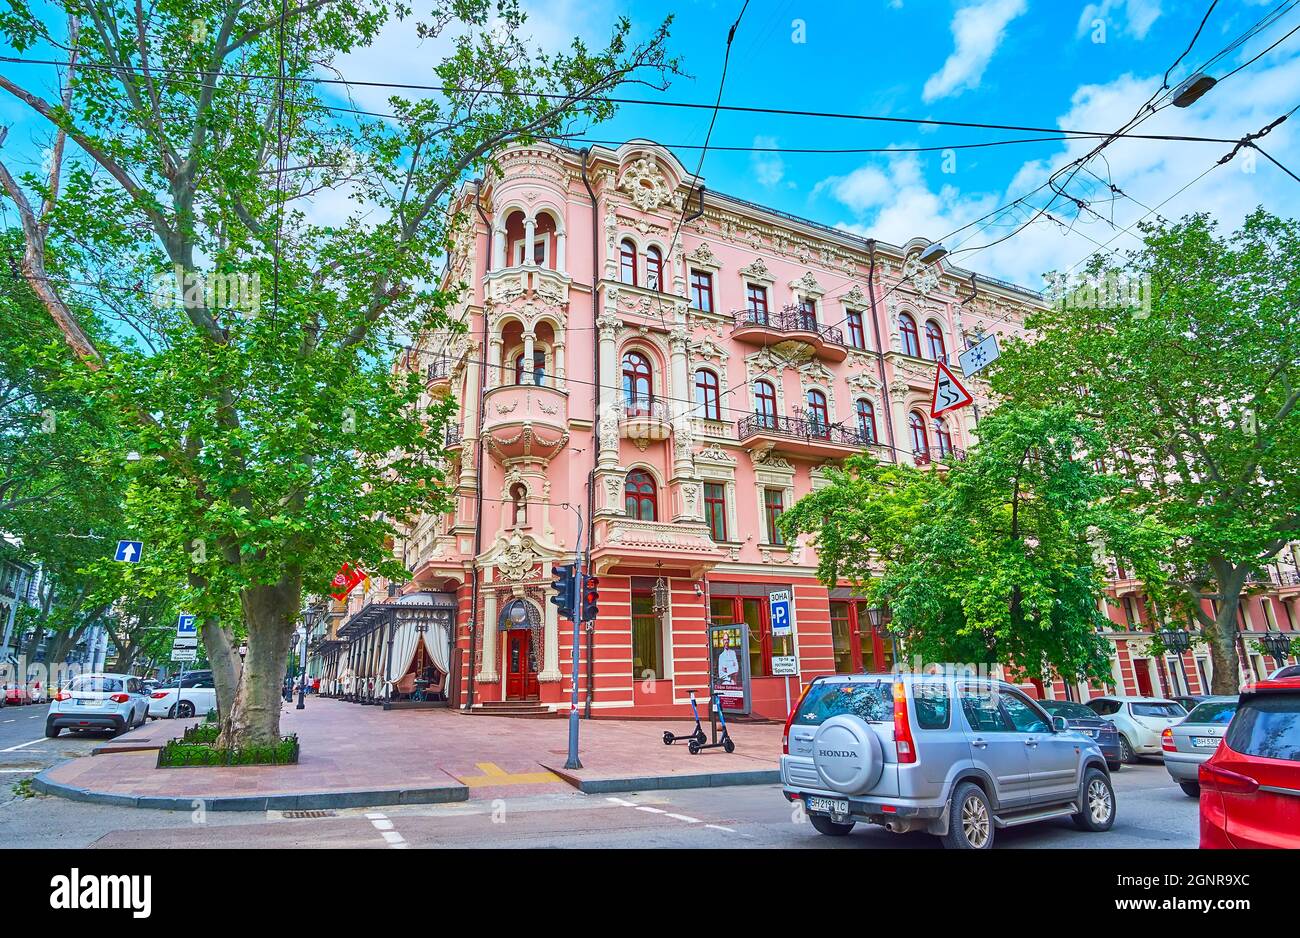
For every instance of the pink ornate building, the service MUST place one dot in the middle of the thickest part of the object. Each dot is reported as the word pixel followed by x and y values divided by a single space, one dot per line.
pixel 673 367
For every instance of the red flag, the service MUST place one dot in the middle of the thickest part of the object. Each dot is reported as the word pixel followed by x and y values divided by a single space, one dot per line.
pixel 346 580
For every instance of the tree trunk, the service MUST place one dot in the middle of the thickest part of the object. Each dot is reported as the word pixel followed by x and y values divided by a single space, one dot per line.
pixel 1226 679
pixel 224 659
pixel 270 613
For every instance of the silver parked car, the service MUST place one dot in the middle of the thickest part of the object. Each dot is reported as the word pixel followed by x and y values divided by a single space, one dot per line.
pixel 1193 740
pixel 949 755
pixel 114 702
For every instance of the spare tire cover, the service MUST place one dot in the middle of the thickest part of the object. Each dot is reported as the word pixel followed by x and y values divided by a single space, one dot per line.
pixel 847 754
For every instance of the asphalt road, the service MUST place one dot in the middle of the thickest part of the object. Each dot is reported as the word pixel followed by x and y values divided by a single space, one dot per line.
pixel 1152 812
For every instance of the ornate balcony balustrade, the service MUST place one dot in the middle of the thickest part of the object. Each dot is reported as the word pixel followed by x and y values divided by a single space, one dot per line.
pixel 791 324
pixel 801 435
pixel 939 456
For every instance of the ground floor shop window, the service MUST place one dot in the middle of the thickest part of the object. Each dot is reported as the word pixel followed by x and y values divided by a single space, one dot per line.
pixel 754 612
pixel 647 639
pixel 859 647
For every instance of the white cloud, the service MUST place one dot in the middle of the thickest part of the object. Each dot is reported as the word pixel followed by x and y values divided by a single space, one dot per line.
pixel 769 168
pixel 894 200
pixel 977 30
pixel 1139 15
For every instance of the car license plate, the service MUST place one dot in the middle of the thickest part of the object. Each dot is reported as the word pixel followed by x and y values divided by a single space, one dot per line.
pixel 1205 742
pixel 828 805
pixel 87 703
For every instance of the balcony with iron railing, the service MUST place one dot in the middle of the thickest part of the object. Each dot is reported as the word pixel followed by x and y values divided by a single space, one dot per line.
pixel 438 373
pixel 644 419
pixel 791 324
pixel 453 436
pixel 939 456
pixel 801 435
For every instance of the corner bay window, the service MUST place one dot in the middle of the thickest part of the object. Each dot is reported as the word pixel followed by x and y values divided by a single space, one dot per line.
pixel 639 495
pixel 753 611
pixel 702 290
pixel 715 509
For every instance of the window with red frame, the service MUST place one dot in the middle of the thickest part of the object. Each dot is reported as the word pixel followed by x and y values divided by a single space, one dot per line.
pixel 627 262
pixel 707 398
pixel 637 384
pixel 934 341
pixel 538 375
pixel 920 442
pixel 808 315
pixel 857 645
pixel 639 496
pixel 715 509
pixel 753 612
pixel 867 420
pixel 944 439
pixel 818 417
pixel 857 336
pixel 654 268
pixel 908 336
pixel 765 403
pixel 773 508
pixel 702 290
pixel 756 302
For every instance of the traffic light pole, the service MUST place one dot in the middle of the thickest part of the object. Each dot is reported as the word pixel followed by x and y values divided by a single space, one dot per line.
pixel 573 762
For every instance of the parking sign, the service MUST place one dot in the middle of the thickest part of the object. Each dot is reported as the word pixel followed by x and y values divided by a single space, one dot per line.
pixel 780 611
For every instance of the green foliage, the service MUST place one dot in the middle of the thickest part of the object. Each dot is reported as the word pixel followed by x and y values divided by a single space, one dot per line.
pixel 1191 400
pixel 205 733
pixel 991 561
pixel 184 753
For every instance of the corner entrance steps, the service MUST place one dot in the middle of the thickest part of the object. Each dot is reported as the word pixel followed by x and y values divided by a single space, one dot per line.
pixel 528 709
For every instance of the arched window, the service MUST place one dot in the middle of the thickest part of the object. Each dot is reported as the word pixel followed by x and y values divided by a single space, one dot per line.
pixel 908 336
pixel 538 375
pixel 866 420
pixel 654 268
pixel 765 403
pixel 637 387
pixel 639 495
pixel 818 418
pixel 627 262
pixel 920 442
pixel 519 504
pixel 934 340
pixel 944 439
pixel 706 395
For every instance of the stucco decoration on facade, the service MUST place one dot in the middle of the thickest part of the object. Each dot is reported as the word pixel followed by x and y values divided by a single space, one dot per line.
pixel 646 184
pixel 757 272
pixel 923 277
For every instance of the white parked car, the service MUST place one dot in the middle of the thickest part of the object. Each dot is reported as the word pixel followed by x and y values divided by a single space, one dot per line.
pixel 197 695
pixel 112 702
pixel 1140 721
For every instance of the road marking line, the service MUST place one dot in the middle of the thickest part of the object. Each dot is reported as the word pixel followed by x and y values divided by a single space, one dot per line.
pixel 19 771
pixel 620 801
pixel 646 807
pixel 374 814
pixel 24 745
pixel 683 817
pixel 719 827
pixel 393 837
pixel 383 825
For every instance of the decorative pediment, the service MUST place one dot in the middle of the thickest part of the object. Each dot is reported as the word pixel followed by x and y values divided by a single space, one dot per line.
pixel 715 453
pixel 757 272
pixel 863 381
pixel 703 256
pixel 708 350
pixel 923 277
pixel 854 298
pixel 807 285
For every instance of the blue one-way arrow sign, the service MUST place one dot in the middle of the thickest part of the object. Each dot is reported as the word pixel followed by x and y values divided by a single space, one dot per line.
pixel 129 551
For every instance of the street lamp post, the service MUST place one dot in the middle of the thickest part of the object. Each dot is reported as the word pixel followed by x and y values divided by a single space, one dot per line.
pixel 1278 645
pixel 308 621
pixel 1178 641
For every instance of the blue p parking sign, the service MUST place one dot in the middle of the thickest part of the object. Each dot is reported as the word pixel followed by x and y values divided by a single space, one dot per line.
pixel 780 612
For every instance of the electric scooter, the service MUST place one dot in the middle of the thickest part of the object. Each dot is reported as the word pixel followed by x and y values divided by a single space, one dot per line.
pixel 696 734
pixel 694 746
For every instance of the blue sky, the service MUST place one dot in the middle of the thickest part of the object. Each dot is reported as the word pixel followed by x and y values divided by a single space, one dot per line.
pixel 1051 63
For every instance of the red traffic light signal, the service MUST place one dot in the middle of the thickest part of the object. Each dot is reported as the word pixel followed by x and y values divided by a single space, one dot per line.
pixel 590 598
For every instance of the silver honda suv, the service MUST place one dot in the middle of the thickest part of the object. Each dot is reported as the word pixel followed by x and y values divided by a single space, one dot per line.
pixel 951 755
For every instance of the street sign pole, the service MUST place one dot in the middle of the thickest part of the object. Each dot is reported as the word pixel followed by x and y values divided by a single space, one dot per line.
pixel 580 576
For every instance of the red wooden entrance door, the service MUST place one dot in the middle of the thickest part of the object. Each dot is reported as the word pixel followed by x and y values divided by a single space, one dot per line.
pixel 521 679
pixel 1142 671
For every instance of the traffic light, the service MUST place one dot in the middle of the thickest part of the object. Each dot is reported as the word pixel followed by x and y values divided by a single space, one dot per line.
pixel 590 597
pixel 564 582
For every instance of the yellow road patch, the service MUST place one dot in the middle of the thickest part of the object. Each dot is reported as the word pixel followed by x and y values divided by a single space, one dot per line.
pixel 493 774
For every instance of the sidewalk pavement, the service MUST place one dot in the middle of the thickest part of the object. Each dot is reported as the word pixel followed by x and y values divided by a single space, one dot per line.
pixel 361 756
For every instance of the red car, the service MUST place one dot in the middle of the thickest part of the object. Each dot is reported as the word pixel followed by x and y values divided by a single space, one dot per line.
pixel 17 694
pixel 1250 787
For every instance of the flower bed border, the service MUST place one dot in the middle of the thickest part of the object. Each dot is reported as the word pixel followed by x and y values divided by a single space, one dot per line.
pixel 224 757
